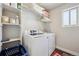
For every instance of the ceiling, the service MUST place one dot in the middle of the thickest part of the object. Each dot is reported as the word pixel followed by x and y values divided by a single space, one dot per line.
pixel 50 6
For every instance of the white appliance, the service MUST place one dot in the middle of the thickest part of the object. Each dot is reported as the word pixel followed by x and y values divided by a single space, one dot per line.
pixel 40 45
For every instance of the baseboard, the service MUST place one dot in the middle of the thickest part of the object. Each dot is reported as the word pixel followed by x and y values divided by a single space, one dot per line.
pixel 68 51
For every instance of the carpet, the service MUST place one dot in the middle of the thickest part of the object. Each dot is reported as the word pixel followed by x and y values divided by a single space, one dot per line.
pixel 58 52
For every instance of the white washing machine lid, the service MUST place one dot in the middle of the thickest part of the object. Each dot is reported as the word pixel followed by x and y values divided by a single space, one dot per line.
pixel 34 36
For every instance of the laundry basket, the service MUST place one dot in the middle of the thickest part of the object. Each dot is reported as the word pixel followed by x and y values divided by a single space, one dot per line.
pixel 18 50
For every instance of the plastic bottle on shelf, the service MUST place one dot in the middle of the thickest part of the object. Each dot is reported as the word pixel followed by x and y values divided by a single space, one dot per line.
pixel 17 20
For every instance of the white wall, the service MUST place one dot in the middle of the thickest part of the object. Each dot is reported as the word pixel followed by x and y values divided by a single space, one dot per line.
pixel 29 20
pixel 68 37
pixel 0 24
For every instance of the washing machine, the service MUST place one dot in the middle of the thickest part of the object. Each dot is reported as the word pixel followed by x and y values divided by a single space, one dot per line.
pixel 39 45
